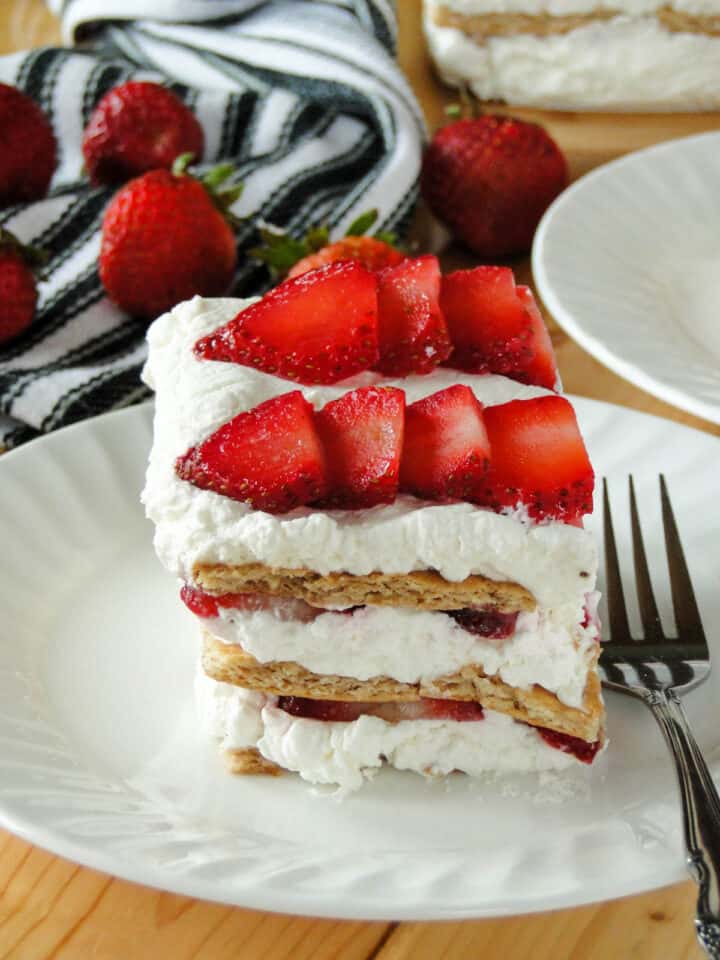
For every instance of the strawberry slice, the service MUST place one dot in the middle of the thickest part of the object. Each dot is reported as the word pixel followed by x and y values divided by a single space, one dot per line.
pixel 538 460
pixel 284 608
pixel 582 750
pixel 362 435
pixel 496 327
pixel 198 602
pixel 317 328
pixel 459 710
pixel 487 622
pixel 269 457
pixel 446 449
pixel 412 331
pixel 542 369
pixel 345 711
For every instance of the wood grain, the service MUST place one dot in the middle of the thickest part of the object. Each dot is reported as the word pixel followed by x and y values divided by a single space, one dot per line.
pixel 50 908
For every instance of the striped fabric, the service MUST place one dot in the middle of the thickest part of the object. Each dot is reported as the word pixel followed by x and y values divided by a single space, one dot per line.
pixel 304 96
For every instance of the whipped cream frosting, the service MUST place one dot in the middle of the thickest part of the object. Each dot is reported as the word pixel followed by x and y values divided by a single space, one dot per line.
pixel 347 754
pixel 556 562
pixel 548 647
pixel 629 62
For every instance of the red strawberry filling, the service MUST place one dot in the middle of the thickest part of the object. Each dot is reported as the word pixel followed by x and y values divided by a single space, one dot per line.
pixel 585 752
pixel 487 623
pixel 346 711
pixel 284 608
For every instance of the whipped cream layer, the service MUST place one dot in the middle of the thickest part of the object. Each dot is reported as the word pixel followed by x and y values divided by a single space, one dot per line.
pixel 548 647
pixel 347 754
pixel 556 562
pixel 624 63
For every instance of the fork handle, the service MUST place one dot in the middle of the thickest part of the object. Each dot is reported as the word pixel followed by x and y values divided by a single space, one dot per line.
pixel 701 814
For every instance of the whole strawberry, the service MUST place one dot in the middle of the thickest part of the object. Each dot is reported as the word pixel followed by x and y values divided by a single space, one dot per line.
pixel 287 256
pixel 490 179
pixel 372 253
pixel 137 127
pixel 28 151
pixel 18 294
pixel 165 238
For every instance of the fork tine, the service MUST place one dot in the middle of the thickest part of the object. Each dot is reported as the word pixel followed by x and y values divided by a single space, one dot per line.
pixel 687 616
pixel 646 598
pixel 617 614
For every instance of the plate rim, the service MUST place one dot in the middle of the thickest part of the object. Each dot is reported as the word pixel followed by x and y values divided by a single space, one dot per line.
pixel 360 906
pixel 565 318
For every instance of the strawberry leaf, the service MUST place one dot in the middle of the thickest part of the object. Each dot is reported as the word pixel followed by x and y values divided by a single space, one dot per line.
pixel 317 237
pixel 33 257
pixel 387 237
pixel 363 223
pixel 279 251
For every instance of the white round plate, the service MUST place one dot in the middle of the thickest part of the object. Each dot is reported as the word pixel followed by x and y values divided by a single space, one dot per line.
pixel 627 260
pixel 101 759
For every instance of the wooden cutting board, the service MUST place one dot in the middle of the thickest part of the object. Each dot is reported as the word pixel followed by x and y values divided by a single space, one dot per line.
pixel 52 908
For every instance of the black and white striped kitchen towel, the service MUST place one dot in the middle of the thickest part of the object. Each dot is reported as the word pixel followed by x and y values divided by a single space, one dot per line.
pixel 305 96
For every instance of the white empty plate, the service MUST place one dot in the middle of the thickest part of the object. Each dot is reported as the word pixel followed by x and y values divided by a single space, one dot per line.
pixel 627 260
pixel 102 761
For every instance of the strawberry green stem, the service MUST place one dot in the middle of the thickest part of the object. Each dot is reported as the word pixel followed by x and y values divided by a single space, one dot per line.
pixel 34 257
pixel 222 197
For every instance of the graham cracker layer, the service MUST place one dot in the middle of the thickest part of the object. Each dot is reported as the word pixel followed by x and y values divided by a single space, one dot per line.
pixel 480 27
pixel 249 760
pixel 420 589
pixel 229 663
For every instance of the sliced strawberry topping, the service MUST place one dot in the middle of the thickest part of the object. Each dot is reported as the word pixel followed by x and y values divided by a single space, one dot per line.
pixel 496 327
pixel 584 751
pixel 446 449
pixel 542 368
pixel 413 335
pixel 317 328
pixel 269 457
pixel 489 623
pixel 345 711
pixel 538 460
pixel 362 434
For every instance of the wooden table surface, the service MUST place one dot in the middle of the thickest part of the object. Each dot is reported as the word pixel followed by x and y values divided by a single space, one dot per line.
pixel 52 908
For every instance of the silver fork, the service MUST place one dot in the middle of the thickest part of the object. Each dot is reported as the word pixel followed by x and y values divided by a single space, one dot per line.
pixel 658 669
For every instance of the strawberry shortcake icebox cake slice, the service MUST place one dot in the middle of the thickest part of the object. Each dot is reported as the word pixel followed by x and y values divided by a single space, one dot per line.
pixel 372 492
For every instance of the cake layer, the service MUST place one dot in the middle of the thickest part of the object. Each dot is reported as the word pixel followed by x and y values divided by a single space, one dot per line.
pixel 481 26
pixel 546 648
pixel 348 753
pixel 578 54
pixel 197 528
pixel 534 705
pixel 421 589
pixel 564 8
pixel 248 761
